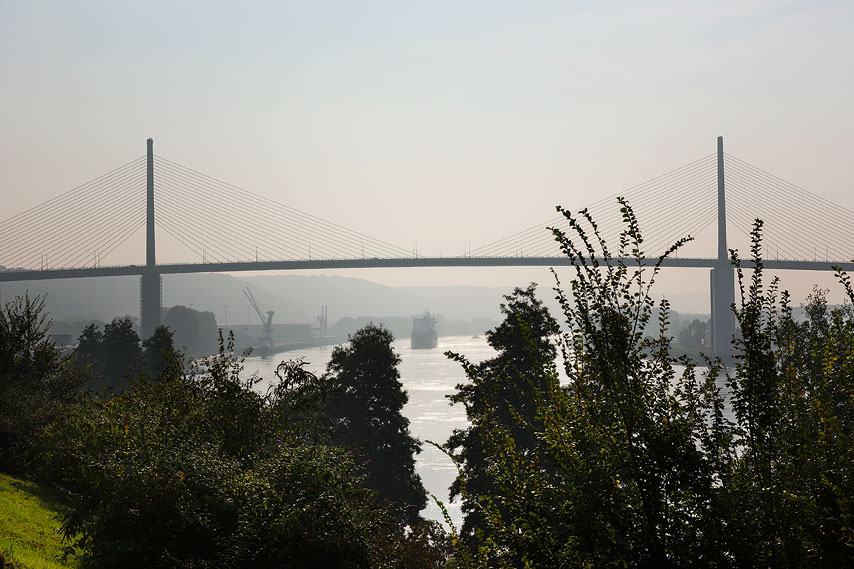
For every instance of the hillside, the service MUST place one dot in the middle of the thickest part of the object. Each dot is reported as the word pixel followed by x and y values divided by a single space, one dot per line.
pixel 29 518
pixel 294 298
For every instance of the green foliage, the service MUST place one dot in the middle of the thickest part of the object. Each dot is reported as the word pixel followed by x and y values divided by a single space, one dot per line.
pixel 624 480
pixel 191 466
pixel 640 463
pixel 366 418
pixel 111 355
pixel 26 353
pixel 634 429
pixel 159 356
pixel 35 384
pixel 522 368
pixel 793 398
pixel 201 469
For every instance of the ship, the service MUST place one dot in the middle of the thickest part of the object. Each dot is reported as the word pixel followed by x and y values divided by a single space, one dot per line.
pixel 424 335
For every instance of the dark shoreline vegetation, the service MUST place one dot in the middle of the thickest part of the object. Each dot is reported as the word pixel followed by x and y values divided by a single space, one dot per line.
pixel 637 461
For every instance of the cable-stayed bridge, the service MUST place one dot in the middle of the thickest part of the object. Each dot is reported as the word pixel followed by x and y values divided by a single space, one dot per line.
pixel 218 227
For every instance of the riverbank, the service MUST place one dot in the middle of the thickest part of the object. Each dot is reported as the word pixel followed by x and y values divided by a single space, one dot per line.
pixel 298 345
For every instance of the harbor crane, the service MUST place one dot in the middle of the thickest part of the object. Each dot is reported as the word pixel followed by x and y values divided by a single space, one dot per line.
pixel 321 320
pixel 266 321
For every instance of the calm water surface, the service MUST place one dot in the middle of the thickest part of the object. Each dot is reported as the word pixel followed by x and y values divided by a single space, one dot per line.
pixel 428 376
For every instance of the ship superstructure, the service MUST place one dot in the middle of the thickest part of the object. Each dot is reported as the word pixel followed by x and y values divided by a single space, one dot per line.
pixel 424 334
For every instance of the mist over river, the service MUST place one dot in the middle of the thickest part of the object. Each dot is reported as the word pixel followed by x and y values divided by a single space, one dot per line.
pixel 427 376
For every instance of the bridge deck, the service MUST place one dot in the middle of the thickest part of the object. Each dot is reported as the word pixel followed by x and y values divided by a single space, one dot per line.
pixel 132 270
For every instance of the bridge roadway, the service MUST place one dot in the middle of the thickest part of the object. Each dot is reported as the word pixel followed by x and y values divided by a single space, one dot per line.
pixel 408 262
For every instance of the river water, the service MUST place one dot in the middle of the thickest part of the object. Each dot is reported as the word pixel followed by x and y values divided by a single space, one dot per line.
pixel 428 376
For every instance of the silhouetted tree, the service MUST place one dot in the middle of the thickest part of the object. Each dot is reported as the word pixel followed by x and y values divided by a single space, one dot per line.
pixel 641 464
pixel 121 347
pixel 792 395
pixel 694 334
pixel 194 331
pixel 112 354
pixel 617 476
pixel 159 353
pixel 88 351
pixel 503 388
pixel 367 418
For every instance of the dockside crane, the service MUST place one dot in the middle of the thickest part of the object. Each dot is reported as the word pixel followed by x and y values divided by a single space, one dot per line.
pixel 321 320
pixel 267 321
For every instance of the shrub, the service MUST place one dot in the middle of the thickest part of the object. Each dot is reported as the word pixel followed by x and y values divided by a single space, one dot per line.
pixel 638 462
pixel 201 470
pixel 36 385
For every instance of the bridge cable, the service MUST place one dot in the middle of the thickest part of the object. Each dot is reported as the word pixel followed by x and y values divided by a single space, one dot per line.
pixel 280 242
pixel 258 198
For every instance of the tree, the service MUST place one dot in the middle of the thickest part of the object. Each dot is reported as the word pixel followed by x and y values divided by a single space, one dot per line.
pixel 200 469
pixel 366 417
pixel 631 435
pixel 623 468
pixel 500 392
pixel 694 334
pixel 159 353
pixel 121 349
pixel 111 354
pixel 792 394
pixel 640 463
pixel 35 384
pixel 26 352
pixel 195 331
pixel 88 352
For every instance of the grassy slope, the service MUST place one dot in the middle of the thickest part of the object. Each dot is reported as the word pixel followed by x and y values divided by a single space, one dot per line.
pixel 29 519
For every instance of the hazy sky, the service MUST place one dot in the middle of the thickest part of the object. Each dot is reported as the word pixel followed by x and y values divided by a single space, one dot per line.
pixel 441 123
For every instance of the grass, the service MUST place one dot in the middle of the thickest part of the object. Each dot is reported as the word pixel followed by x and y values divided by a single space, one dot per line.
pixel 29 526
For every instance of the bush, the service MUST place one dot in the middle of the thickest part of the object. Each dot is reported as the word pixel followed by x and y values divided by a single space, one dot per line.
pixel 36 385
pixel 201 470
pixel 638 462
pixel 792 476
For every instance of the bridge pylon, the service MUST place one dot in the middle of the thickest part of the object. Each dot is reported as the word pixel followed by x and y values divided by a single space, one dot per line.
pixel 722 278
pixel 150 286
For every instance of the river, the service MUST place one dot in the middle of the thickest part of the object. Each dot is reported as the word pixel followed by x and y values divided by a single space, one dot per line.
pixel 427 376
